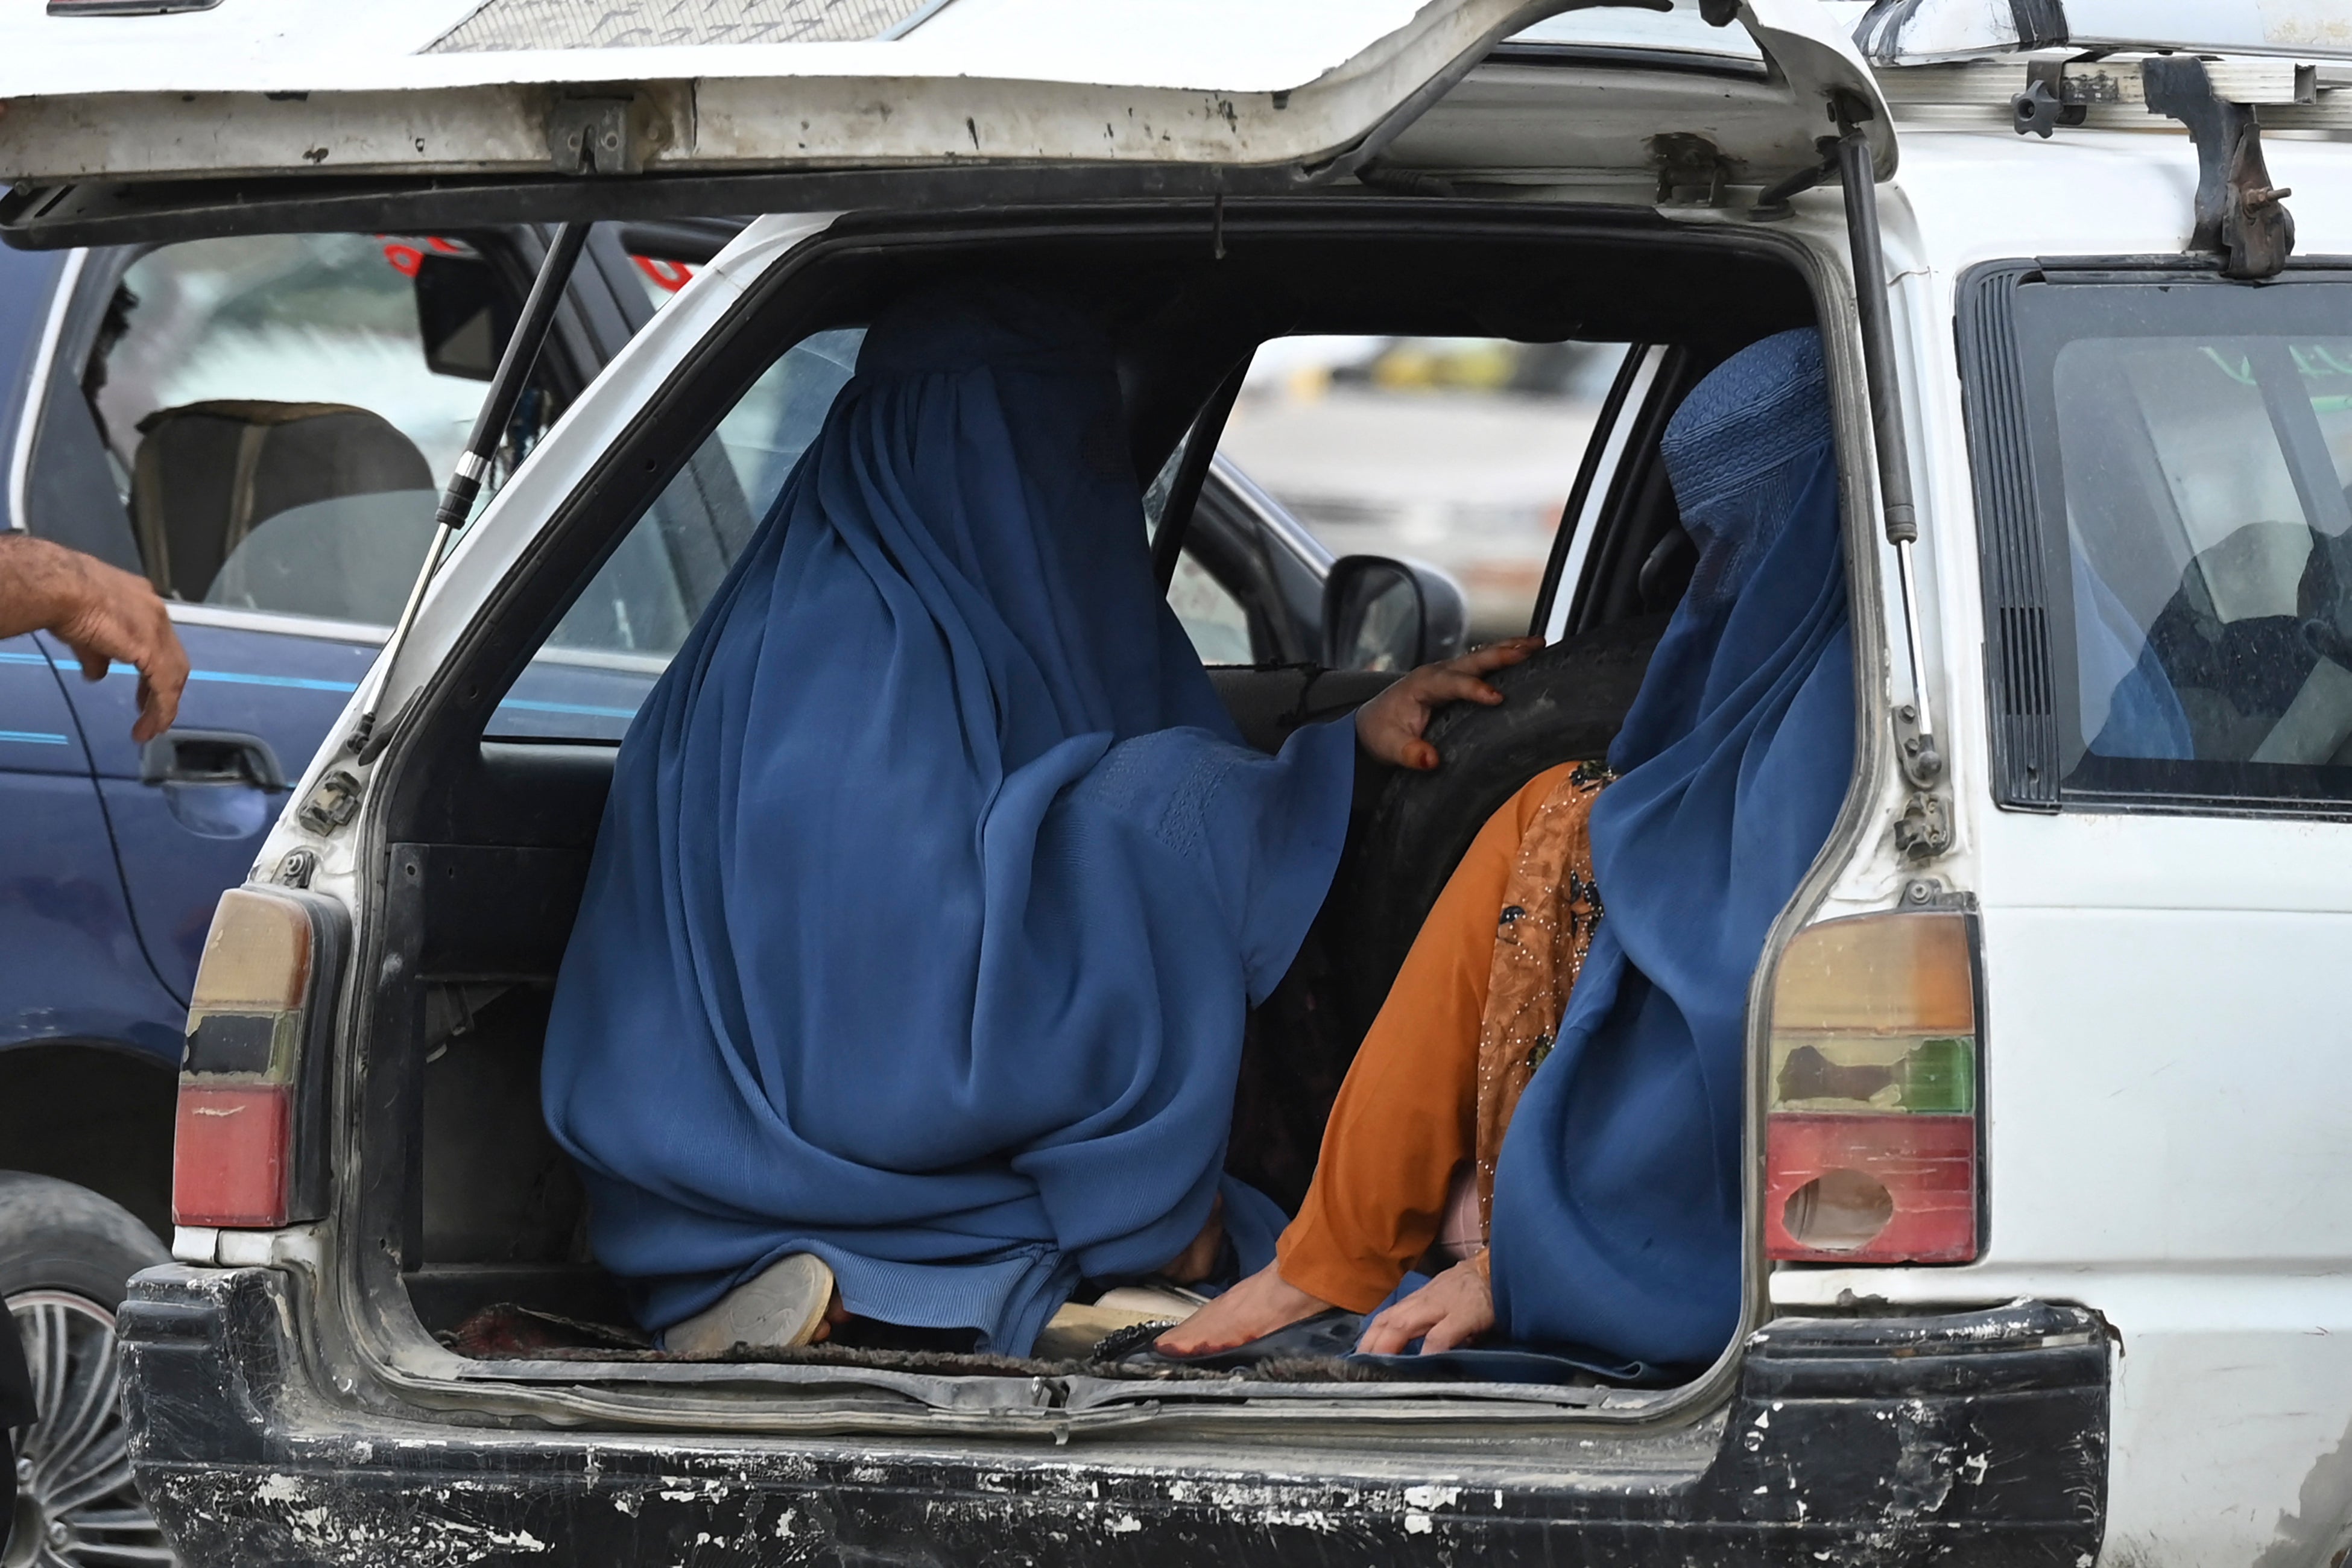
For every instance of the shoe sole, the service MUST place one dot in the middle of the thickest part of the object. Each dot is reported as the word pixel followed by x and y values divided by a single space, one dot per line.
pixel 776 1308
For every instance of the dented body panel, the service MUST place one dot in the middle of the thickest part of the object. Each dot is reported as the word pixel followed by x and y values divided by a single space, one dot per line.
pixel 1975 1438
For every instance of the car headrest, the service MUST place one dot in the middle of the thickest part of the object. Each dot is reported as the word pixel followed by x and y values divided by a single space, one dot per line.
pixel 207 473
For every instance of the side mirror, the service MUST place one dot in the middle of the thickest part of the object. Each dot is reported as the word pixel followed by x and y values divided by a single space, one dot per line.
pixel 463 316
pixel 1381 613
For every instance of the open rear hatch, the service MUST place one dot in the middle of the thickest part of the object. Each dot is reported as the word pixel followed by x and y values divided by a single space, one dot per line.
pixel 261 115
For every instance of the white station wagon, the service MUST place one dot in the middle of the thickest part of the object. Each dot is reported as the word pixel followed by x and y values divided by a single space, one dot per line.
pixel 2049 1206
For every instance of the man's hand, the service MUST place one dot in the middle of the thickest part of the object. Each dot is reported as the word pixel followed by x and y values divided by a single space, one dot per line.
pixel 1452 1310
pixel 100 613
pixel 1389 726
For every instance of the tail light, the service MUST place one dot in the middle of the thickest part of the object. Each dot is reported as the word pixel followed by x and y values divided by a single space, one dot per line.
pixel 249 1150
pixel 1871 1127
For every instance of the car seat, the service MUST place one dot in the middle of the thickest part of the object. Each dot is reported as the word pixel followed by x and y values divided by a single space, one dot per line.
pixel 207 473
pixel 1408 832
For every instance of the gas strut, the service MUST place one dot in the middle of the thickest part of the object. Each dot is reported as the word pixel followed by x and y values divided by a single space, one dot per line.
pixel 515 367
pixel 1926 831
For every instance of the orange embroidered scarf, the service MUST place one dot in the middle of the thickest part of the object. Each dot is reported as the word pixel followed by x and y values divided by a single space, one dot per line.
pixel 1550 911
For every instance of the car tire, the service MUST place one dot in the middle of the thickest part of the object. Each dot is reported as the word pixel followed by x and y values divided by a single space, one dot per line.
pixel 1562 705
pixel 67 1255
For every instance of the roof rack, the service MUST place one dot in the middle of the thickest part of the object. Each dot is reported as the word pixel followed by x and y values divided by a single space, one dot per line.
pixel 1929 32
pixel 2109 92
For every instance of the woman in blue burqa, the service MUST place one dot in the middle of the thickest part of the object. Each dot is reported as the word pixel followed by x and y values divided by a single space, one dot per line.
pixel 1553 1097
pixel 909 980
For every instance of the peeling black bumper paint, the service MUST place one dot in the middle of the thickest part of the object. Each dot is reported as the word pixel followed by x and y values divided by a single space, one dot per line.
pixel 1976 1438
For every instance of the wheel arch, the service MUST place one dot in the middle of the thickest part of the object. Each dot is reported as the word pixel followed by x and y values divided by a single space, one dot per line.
pixel 96 1114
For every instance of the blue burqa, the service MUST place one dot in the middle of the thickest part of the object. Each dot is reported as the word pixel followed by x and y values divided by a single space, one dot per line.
pixel 1616 1224
pixel 935 881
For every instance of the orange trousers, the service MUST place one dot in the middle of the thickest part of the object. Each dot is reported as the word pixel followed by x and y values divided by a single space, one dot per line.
pixel 1407 1114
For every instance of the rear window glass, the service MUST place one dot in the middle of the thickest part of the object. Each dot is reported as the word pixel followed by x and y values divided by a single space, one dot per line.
pixel 2191 446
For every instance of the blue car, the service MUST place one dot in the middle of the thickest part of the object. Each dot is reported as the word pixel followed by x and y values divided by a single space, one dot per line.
pixel 259 427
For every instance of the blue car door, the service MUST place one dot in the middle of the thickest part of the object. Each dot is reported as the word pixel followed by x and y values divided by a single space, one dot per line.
pixel 259 425
pixel 74 969
pixel 71 967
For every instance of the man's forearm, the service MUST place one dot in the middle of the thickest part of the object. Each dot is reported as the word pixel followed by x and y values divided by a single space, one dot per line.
pixel 40 584
pixel 103 614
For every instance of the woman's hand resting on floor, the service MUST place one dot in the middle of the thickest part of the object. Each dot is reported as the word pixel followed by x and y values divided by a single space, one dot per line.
pixel 1390 725
pixel 1450 1311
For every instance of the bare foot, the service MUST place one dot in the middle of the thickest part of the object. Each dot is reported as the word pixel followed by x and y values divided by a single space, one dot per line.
pixel 835 1314
pixel 1251 1309
pixel 1198 1258
pixel 1452 1310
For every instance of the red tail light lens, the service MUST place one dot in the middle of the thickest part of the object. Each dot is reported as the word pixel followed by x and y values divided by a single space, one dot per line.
pixel 247 1153
pixel 228 1160
pixel 1871 1128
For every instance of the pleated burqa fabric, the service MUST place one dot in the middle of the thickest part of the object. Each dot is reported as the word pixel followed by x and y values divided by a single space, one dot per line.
pixel 1617 1197
pixel 935 881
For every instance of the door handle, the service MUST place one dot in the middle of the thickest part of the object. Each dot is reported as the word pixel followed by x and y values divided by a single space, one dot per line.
pixel 210 756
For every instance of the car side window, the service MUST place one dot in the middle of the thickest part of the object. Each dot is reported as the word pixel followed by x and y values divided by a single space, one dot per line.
pixel 1460 452
pixel 1213 615
pixel 617 637
pixel 276 413
pixel 2190 450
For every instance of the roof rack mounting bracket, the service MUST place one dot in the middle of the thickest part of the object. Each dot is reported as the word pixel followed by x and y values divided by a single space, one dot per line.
pixel 2240 214
pixel 2041 108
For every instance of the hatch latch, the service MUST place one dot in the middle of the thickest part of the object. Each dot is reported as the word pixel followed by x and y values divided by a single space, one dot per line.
pixel 1689 162
pixel 2240 214
pixel 595 136
pixel 1924 830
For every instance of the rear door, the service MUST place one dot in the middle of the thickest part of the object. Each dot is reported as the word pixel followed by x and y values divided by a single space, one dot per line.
pixel 70 964
pixel 258 425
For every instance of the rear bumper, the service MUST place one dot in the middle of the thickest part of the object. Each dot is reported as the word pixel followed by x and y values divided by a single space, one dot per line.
pixel 1974 1438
